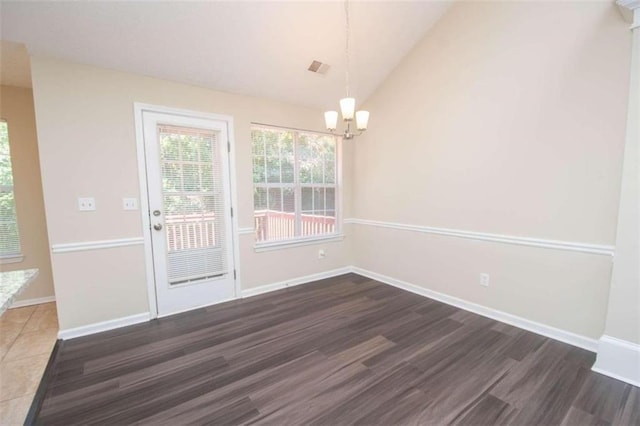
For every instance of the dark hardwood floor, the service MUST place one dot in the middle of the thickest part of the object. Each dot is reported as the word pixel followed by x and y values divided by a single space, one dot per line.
pixel 346 350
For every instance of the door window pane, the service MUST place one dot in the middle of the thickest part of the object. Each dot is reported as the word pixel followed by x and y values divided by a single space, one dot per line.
pixel 194 211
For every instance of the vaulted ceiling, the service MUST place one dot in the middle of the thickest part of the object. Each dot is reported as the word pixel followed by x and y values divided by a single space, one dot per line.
pixel 260 48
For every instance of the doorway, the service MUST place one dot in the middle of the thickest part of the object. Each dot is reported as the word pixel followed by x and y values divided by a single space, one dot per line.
pixel 188 208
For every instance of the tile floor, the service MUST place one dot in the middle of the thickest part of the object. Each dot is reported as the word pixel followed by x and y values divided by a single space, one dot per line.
pixel 27 336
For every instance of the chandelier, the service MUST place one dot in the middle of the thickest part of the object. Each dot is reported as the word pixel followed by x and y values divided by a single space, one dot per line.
pixel 347 104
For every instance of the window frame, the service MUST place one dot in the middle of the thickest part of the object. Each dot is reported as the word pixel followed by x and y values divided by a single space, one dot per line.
pixel 18 256
pixel 297 186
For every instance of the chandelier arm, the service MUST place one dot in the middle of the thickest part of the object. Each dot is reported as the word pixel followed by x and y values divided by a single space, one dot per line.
pixel 347 105
pixel 347 51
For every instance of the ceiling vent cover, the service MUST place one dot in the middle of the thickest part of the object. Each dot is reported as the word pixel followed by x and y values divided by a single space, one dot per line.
pixel 318 67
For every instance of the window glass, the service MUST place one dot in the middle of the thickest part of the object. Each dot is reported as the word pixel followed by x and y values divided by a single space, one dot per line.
pixel 295 184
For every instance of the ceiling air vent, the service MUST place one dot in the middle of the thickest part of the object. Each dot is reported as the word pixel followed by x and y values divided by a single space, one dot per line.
pixel 318 67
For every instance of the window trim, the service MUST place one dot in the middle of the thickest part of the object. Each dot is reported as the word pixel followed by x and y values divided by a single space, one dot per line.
pixel 297 242
pixel 338 235
pixel 11 258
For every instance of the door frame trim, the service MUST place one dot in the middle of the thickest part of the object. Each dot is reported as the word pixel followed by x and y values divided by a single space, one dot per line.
pixel 139 109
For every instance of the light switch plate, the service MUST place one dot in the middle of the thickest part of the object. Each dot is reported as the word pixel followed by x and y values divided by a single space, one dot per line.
pixel 86 204
pixel 130 203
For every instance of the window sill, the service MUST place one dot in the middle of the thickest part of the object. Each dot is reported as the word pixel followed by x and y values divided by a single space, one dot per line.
pixel 12 258
pixel 278 245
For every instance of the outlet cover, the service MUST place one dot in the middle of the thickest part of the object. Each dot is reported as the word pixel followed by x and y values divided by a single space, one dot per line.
pixel 86 204
pixel 484 280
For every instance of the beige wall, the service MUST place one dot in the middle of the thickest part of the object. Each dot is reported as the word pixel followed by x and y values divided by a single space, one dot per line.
pixel 88 148
pixel 16 106
pixel 623 316
pixel 507 118
pixel 562 289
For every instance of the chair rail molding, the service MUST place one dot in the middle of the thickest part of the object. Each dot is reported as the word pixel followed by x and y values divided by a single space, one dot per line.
pixel 96 245
pixel 600 249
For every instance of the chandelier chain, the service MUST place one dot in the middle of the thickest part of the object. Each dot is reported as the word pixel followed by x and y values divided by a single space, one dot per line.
pixel 348 36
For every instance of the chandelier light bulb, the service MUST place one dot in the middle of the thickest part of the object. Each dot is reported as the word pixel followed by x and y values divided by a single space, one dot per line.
pixel 331 120
pixel 348 108
pixel 362 120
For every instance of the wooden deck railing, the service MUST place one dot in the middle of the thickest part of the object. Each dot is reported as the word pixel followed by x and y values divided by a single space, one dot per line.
pixel 190 231
pixel 271 224
pixel 198 231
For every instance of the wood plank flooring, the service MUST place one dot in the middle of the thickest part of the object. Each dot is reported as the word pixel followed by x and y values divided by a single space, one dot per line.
pixel 346 350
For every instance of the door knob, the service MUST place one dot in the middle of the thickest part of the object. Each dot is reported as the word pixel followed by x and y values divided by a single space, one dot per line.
pixel 157 226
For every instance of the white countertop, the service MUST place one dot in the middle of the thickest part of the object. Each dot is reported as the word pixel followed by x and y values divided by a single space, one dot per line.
pixel 12 284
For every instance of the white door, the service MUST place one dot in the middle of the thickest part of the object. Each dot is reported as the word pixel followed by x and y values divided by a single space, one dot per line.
pixel 188 186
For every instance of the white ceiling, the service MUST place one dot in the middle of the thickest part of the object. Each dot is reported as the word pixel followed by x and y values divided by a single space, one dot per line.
pixel 260 48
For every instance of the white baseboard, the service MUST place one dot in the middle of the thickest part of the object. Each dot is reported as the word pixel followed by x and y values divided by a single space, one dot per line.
pixel 139 318
pixel 516 321
pixel 619 359
pixel 30 302
pixel 295 281
pixel 97 327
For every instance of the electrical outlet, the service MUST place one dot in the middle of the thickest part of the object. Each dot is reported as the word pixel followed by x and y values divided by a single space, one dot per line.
pixel 321 254
pixel 86 204
pixel 484 280
pixel 130 203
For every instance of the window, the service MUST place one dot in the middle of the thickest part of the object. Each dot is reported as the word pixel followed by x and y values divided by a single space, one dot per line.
pixel 295 184
pixel 9 238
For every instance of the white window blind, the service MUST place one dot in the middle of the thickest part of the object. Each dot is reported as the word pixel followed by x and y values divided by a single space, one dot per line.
pixel 9 237
pixel 295 184
pixel 192 190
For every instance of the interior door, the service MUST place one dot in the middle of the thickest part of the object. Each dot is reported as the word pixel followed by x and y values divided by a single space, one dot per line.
pixel 190 210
